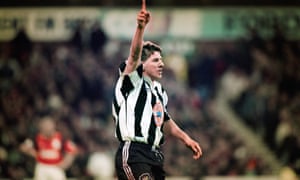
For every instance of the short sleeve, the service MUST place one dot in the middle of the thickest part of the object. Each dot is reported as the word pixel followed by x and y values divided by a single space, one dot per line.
pixel 70 147
pixel 132 80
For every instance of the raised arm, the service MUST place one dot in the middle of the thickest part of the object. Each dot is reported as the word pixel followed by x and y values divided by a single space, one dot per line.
pixel 171 128
pixel 135 53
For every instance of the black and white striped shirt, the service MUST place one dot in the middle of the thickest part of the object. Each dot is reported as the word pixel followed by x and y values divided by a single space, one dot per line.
pixel 139 108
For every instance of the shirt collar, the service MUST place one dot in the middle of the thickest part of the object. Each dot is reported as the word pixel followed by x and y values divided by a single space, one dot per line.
pixel 148 80
pixel 151 83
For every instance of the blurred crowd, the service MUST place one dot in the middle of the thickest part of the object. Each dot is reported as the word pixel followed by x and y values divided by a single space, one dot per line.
pixel 73 82
pixel 269 103
pixel 260 79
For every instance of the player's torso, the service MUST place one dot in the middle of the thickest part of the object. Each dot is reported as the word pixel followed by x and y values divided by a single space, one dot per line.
pixel 49 150
pixel 140 113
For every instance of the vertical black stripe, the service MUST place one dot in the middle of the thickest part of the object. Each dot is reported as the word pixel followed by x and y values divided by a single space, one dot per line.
pixel 139 109
pixel 116 106
pixel 122 66
pixel 153 100
pixel 118 132
pixel 159 95
pixel 127 86
pixel 166 116
pixel 140 70
pixel 151 132
pixel 117 110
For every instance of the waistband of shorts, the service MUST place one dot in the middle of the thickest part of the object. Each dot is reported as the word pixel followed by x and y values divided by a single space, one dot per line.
pixel 47 164
pixel 141 144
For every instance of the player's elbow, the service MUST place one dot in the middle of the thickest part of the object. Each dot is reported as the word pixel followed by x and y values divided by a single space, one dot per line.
pixel 171 128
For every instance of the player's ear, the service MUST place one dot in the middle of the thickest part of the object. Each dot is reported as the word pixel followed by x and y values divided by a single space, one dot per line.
pixel 143 64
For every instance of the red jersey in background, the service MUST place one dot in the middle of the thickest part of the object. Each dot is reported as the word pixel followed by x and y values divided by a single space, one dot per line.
pixel 50 150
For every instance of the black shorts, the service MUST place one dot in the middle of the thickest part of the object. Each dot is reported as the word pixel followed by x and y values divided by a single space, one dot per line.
pixel 135 161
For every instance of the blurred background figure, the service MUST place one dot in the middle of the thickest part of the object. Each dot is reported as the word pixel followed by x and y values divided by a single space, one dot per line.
pixel 98 38
pixel 53 153
pixel 101 165
pixel 21 46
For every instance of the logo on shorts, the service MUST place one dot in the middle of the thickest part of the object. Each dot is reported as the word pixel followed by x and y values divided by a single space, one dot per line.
pixel 145 176
pixel 158 113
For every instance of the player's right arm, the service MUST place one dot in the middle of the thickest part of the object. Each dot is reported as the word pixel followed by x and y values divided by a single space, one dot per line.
pixel 27 147
pixel 135 53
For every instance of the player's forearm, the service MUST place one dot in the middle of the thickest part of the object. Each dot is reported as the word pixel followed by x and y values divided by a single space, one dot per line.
pixel 174 130
pixel 135 53
pixel 67 161
pixel 180 134
pixel 31 152
pixel 136 45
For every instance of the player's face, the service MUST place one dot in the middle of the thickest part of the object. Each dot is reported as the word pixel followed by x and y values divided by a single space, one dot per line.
pixel 47 127
pixel 153 66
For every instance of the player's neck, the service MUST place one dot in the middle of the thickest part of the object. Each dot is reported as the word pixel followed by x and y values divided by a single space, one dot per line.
pixel 148 79
pixel 48 135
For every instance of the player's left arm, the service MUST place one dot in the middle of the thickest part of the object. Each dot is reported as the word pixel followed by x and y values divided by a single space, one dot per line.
pixel 71 151
pixel 172 129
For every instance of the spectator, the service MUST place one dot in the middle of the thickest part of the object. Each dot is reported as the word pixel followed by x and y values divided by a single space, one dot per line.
pixel 52 151
pixel 98 38
pixel 22 46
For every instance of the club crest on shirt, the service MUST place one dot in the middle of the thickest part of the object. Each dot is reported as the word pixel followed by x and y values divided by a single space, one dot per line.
pixel 158 113
pixel 56 144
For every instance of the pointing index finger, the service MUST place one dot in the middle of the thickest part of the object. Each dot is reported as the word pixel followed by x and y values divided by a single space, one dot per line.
pixel 144 5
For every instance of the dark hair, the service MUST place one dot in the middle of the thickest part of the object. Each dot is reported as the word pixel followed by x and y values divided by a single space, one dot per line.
pixel 148 49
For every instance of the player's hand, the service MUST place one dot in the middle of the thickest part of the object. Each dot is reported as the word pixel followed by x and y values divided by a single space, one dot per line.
pixel 62 166
pixel 195 147
pixel 143 18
